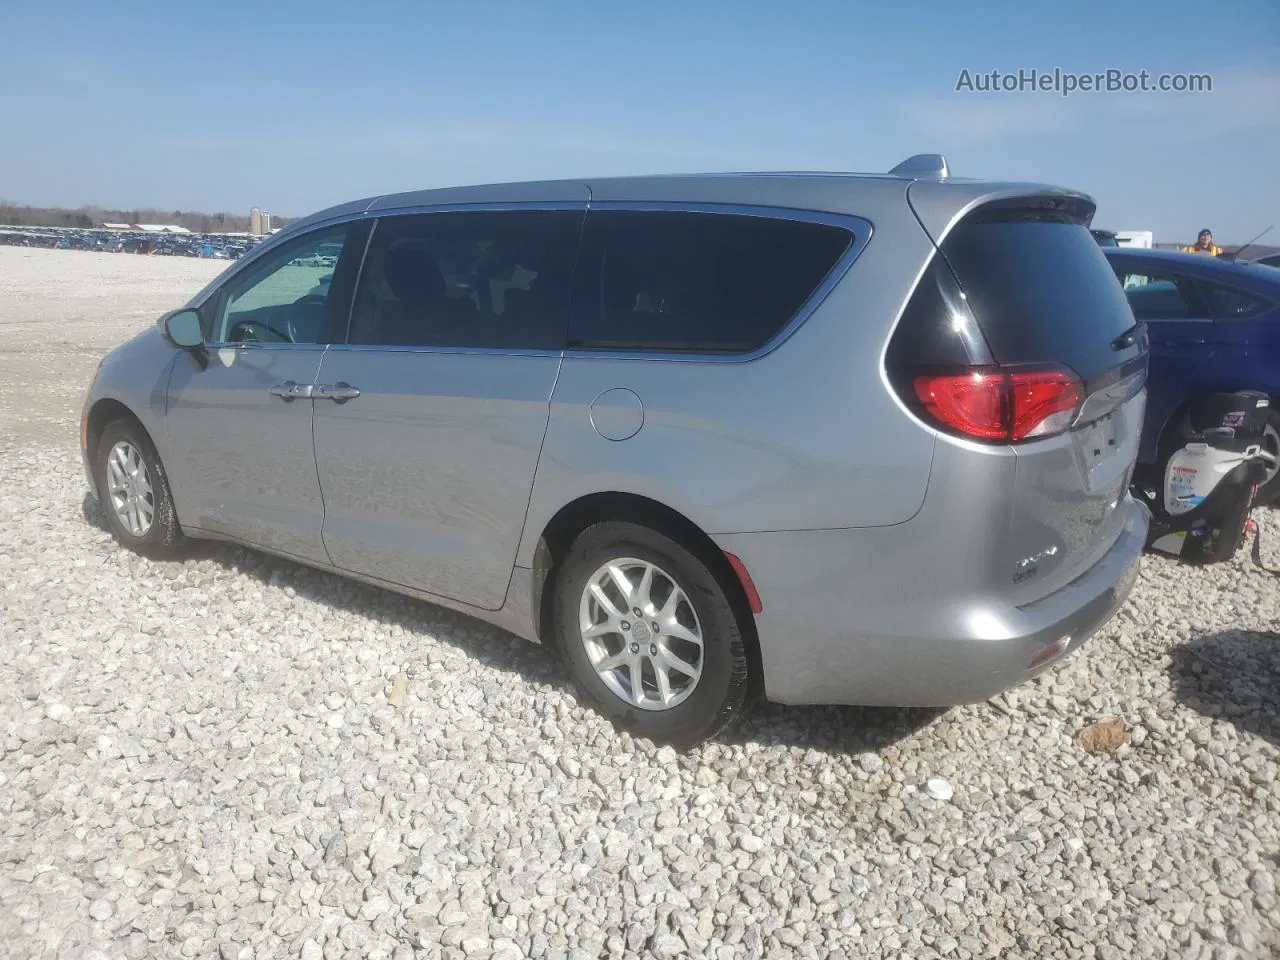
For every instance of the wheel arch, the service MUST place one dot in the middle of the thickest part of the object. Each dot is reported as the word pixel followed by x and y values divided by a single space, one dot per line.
pixel 576 516
pixel 105 412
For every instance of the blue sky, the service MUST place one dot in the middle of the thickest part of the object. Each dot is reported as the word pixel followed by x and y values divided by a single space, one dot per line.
pixel 293 106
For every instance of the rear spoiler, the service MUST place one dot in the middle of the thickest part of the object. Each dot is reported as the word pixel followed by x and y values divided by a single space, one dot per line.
pixel 940 205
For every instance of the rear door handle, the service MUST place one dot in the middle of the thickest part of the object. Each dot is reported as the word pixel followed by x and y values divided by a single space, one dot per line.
pixel 340 392
pixel 292 391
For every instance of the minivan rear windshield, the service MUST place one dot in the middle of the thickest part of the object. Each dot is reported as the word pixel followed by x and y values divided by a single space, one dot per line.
pixel 1042 292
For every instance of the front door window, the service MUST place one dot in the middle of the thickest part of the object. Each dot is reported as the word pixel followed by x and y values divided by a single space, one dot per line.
pixel 285 297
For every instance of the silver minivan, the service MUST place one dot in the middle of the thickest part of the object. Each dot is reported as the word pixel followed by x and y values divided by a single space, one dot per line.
pixel 825 438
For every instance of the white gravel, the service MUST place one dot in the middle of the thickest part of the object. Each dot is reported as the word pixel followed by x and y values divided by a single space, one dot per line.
pixel 237 757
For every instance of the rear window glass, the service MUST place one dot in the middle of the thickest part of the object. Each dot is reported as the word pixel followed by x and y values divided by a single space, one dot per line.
pixel 1155 297
pixel 1042 292
pixel 696 282
pixel 1228 303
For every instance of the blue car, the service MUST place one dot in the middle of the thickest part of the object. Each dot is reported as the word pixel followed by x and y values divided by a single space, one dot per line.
pixel 1214 325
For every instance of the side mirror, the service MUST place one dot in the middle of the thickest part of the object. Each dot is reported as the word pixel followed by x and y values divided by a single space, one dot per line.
pixel 182 329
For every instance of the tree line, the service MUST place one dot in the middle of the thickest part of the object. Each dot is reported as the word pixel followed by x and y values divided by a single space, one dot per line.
pixel 14 215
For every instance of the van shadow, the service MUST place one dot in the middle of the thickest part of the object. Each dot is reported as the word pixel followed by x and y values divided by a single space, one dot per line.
pixel 827 729
pixel 1232 675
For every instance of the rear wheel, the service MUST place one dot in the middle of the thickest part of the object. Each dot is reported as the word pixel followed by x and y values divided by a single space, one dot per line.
pixel 134 491
pixel 649 635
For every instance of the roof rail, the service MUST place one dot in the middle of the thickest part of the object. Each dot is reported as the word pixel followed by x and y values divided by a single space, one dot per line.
pixel 923 166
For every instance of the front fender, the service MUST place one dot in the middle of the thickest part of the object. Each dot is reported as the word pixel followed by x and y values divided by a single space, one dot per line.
pixel 135 375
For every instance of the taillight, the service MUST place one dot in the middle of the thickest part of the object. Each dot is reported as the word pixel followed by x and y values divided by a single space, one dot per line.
pixel 1002 405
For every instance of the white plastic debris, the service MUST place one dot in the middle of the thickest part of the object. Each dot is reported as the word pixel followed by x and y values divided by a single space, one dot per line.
pixel 939 789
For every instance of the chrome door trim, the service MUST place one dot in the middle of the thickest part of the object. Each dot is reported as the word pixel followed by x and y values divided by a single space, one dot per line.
pixel 262 345
pixel 491 206
pixel 487 351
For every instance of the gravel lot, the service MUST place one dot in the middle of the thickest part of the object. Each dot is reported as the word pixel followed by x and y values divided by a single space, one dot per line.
pixel 237 757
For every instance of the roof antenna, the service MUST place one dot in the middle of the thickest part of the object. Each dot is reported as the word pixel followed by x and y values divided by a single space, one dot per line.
pixel 923 166
pixel 1235 254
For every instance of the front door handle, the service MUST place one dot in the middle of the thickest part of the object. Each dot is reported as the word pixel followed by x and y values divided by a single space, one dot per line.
pixel 292 391
pixel 340 392
pixel 1188 341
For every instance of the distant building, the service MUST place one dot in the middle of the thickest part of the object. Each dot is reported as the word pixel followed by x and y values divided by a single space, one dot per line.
pixel 1135 238
pixel 146 227
pixel 255 221
pixel 266 222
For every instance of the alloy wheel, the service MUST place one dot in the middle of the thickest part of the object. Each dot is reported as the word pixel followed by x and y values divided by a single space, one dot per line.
pixel 129 488
pixel 641 634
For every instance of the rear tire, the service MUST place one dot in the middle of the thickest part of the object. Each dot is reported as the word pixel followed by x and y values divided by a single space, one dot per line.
pixel 686 643
pixel 133 489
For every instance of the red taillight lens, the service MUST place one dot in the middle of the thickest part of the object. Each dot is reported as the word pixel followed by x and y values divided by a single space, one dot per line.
pixel 971 403
pixel 1001 404
pixel 1044 403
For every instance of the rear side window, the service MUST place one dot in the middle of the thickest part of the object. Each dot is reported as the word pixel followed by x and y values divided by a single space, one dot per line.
pixel 1041 292
pixel 500 280
pixel 1228 303
pixel 1155 296
pixel 678 282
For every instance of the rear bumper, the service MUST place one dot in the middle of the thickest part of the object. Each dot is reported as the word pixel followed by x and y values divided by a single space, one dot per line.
pixel 840 626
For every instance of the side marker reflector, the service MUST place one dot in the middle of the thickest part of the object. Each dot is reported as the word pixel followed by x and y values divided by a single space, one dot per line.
pixel 744 578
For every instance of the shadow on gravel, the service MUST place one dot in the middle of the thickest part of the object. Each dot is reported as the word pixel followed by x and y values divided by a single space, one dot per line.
pixel 1233 675
pixel 832 729
pixel 828 729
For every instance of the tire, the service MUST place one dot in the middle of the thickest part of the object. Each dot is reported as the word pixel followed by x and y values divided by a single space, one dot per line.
pixel 1269 492
pixel 158 535
pixel 696 708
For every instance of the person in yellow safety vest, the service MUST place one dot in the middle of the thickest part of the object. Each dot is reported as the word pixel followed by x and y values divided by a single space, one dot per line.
pixel 1204 244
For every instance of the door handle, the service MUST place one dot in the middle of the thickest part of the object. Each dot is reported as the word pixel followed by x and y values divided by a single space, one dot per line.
pixel 292 391
pixel 1188 341
pixel 339 392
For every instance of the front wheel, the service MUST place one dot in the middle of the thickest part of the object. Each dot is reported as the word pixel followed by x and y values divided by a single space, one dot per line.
pixel 134 491
pixel 649 635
